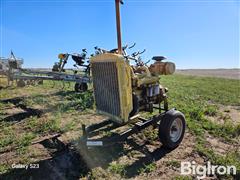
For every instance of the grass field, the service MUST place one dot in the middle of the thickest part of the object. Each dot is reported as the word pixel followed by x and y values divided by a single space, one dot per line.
pixel 42 125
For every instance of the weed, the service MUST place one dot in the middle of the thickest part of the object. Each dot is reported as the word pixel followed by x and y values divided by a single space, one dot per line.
pixel 32 123
pixel 24 141
pixel 107 133
pixel 173 163
pixel 50 125
pixel 226 130
pixel 45 124
pixel 3 168
pixel 98 173
pixel 75 101
pixel 7 137
pixel 69 126
pixel 151 134
pixel 28 102
pixel 148 168
pixel 196 113
pixel 232 158
pixel 211 110
pixel 182 178
pixel 117 168
pixel 226 110
pixel 226 117
pixel 81 100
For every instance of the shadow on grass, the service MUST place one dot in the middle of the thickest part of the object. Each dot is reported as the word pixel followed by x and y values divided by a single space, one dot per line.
pixel 75 101
pixel 73 162
pixel 28 112
pixel 102 157
pixel 65 163
pixel 133 169
pixel 64 93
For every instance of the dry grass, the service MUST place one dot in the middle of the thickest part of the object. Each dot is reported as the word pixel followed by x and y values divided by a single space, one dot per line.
pixel 39 113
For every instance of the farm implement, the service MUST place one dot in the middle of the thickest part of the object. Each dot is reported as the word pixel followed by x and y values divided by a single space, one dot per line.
pixel 124 85
pixel 11 68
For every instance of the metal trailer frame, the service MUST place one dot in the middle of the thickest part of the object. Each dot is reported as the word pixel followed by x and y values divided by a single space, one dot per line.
pixel 36 75
pixel 47 75
pixel 12 69
pixel 143 123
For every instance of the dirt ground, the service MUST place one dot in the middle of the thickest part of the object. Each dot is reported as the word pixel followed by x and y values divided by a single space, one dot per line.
pixel 59 154
pixel 222 73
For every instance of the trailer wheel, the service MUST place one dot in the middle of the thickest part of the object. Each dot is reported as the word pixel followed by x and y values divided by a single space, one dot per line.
pixel 82 87
pixel 171 129
pixel 40 82
pixel 21 83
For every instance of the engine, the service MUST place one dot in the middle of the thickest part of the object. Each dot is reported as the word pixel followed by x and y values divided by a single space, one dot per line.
pixel 147 90
pixel 122 90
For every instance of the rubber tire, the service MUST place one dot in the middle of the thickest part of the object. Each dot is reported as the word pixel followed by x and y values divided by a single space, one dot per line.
pixel 40 82
pixel 81 87
pixel 164 129
pixel 76 87
pixel 21 83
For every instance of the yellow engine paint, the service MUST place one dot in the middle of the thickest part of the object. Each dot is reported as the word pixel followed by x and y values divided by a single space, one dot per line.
pixel 124 84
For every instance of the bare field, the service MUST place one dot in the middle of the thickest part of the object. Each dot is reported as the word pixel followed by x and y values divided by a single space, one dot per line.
pixel 221 73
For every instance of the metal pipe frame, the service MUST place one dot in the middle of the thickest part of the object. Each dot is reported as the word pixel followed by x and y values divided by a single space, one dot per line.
pixel 108 141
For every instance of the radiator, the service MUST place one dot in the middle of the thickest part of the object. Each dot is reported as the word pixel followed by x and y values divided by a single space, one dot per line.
pixel 106 87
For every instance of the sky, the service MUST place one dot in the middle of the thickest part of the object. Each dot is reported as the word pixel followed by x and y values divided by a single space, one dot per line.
pixel 190 33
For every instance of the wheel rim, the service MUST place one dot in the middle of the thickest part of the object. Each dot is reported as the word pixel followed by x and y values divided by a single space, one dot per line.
pixel 176 130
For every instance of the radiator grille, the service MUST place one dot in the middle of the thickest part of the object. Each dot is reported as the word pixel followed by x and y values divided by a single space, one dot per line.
pixel 106 90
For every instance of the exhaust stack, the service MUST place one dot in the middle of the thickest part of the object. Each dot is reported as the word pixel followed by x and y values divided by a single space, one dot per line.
pixel 119 40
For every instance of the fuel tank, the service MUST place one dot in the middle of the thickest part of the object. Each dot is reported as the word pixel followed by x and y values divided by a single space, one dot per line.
pixel 162 68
